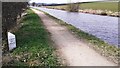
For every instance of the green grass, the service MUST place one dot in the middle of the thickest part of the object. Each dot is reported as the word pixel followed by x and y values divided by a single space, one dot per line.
pixel 34 47
pixel 110 51
pixel 113 6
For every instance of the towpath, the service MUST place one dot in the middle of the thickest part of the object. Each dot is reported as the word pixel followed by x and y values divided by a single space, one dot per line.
pixel 74 51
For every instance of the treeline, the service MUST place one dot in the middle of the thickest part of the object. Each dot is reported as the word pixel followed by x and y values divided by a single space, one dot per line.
pixel 72 7
pixel 10 13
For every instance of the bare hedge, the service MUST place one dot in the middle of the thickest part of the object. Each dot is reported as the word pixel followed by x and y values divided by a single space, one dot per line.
pixel 10 12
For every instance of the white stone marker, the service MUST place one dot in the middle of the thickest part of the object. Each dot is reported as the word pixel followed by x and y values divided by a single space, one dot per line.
pixel 11 41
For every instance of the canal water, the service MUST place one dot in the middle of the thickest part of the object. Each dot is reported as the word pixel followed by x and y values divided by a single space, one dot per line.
pixel 103 27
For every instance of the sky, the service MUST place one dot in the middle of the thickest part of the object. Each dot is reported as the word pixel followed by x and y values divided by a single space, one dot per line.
pixel 60 1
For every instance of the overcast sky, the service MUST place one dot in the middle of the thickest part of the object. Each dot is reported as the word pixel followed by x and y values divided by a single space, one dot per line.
pixel 60 1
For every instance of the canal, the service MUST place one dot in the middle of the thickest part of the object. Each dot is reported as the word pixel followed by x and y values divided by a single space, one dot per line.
pixel 103 27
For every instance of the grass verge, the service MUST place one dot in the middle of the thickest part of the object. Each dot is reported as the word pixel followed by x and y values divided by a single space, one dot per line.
pixel 109 51
pixel 34 47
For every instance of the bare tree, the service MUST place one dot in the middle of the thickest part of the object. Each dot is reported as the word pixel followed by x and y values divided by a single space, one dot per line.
pixel 73 7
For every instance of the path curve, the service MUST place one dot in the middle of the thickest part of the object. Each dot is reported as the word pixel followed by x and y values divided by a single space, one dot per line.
pixel 75 52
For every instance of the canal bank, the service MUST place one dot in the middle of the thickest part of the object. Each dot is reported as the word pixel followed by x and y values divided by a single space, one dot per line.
pixel 99 8
pixel 68 44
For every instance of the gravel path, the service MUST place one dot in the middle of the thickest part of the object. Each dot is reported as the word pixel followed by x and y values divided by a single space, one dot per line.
pixel 74 51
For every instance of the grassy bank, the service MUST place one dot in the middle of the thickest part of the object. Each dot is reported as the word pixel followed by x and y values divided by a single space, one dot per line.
pixel 34 47
pixel 100 5
pixel 93 5
pixel 111 52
